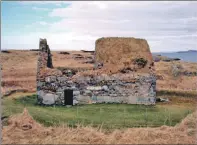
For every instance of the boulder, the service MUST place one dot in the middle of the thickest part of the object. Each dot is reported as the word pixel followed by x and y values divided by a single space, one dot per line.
pixel 62 79
pixel 76 93
pixel 75 102
pixel 50 79
pixel 39 83
pixel 156 58
pixel 105 88
pixel 96 88
pixel 87 92
pixel 49 99
pixel 40 93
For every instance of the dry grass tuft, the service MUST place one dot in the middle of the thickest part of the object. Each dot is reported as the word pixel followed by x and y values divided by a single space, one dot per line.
pixel 23 129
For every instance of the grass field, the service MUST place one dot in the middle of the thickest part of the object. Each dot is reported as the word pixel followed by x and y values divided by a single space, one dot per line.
pixel 108 116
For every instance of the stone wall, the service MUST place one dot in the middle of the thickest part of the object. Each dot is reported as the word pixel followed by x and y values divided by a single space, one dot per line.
pixel 121 87
pixel 44 57
pixel 118 88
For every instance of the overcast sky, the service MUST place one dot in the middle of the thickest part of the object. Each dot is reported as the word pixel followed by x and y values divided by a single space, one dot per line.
pixel 167 26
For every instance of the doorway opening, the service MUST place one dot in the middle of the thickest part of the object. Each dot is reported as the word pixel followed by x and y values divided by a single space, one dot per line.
pixel 68 97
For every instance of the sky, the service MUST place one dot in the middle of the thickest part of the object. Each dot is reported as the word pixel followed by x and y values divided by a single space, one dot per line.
pixel 75 25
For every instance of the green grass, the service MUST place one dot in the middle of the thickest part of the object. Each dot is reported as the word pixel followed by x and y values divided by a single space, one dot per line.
pixel 108 115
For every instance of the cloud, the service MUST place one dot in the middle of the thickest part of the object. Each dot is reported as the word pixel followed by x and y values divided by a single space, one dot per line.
pixel 43 2
pixel 43 23
pixel 167 25
pixel 42 9
pixel 58 4
pixel 34 25
pixel 56 41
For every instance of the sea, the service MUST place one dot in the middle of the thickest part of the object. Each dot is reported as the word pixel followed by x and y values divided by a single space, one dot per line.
pixel 187 56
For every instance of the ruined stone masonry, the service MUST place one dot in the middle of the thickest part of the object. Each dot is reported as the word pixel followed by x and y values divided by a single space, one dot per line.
pixel 123 73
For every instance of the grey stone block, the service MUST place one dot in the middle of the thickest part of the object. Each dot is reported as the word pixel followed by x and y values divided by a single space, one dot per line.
pixel 96 88
pixel 39 83
pixel 50 79
pixel 62 79
pixel 105 88
pixel 40 93
pixel 76 93
pixel 75 102
pixel 49 99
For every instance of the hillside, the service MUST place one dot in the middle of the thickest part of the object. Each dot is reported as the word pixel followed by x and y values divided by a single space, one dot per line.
pixel 19 70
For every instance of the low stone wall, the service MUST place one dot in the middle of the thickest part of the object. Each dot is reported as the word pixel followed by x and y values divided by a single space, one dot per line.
pixel 117 88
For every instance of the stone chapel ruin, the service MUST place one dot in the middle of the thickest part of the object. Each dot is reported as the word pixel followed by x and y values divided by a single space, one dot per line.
pixel 123 73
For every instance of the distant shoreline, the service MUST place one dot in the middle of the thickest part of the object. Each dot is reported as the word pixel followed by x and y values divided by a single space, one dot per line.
pixel 187 51
pixel 188 56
